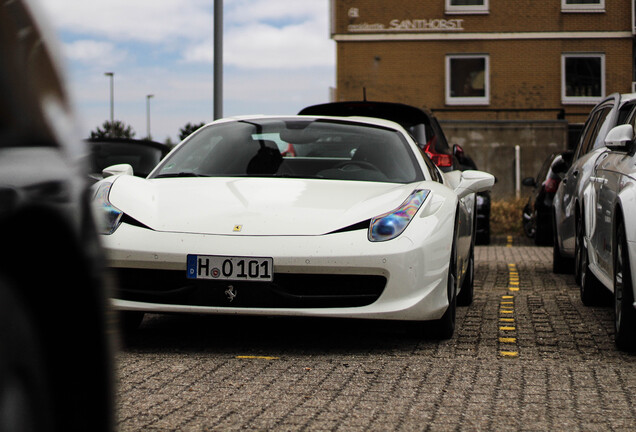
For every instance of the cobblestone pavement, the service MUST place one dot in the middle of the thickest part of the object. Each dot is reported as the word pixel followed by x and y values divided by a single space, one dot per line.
pixel 527 355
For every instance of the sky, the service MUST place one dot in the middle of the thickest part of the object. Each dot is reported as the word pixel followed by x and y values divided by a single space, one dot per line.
pixel 278 57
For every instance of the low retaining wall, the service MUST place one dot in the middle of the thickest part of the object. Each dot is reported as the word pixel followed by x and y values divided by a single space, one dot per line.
pixel 492 143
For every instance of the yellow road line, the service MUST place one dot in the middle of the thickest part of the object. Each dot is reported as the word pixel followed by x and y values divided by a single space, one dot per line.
pixel 257 357
pixel 507 328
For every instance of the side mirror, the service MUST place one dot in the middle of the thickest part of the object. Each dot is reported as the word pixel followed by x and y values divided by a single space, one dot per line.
pixel 112 170
pixel 529 181
pixel 472 181
pixel 561 163
pixel 620 137
pixel 458 151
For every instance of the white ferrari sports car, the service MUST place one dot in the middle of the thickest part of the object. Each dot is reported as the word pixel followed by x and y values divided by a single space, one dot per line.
pixel 296 216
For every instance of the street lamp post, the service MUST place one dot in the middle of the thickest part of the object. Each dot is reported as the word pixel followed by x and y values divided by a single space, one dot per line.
pixel 148 114
pixel 218 59
pixel 112 96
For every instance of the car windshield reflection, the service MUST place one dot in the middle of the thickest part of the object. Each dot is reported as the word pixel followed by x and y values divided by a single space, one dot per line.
pixel 298 148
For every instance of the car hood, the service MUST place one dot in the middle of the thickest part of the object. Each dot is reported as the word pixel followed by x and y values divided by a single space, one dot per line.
pixel 254 206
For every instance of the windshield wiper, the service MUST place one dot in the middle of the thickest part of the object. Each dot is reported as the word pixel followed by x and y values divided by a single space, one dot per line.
pixel 180 174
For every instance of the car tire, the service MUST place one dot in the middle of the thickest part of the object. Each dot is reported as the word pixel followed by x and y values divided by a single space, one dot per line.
pixel 445 326
pixel 129 321
pixel 578 251
pixel 25 400
pixel 624 312
pixel 560 264
pixel 542 234
pixel 465 296
pixel 591 287
pixel 526 221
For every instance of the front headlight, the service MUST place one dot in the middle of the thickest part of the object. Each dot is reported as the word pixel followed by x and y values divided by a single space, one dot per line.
pixel 390 225
pixel 108 216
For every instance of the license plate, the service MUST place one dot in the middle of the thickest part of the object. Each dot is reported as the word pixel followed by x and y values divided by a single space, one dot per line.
pixel 230 268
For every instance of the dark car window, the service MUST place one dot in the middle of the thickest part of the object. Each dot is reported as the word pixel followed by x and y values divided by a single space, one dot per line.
pixel 323 149
pixel 591 131
pixel 142 158
pixel 543 172
pixel 625 112
pixel 432 168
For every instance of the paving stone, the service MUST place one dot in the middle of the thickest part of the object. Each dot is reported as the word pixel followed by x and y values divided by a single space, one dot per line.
pixel 186 372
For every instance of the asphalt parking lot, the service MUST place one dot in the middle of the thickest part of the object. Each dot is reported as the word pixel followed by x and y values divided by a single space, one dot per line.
pixel 527 355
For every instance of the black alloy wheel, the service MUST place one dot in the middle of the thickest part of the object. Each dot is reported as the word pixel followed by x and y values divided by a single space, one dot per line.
pixel 578 250
pixel 560 264
pixel 591 287
pixel 624 312
pixel 465 296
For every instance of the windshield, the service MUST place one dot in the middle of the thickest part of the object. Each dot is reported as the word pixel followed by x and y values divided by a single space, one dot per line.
pixel 299 148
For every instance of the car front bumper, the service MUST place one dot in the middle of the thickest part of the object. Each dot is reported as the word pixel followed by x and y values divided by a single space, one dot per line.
pixel 415 269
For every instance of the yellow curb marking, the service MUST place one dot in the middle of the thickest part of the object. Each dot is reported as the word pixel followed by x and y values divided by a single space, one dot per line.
pixel 257 358
pixel 507 307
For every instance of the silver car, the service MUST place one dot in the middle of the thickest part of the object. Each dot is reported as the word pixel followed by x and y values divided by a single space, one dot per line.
pixel 610 235
pixel 569 219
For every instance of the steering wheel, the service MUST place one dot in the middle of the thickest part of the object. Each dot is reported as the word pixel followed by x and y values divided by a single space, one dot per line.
pixel 361 164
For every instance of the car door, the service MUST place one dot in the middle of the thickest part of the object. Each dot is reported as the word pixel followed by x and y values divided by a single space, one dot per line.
pixel 607 182
pixel 567 195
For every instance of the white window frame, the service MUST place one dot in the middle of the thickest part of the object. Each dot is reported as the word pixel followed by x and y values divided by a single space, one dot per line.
pixel 468 9
pixel 477 100
pixel 582 100
pixel 583 7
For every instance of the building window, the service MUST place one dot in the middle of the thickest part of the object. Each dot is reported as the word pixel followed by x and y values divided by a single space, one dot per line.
pixel 582 78
pixel 467 79
pixel 467 6
pixel 583 5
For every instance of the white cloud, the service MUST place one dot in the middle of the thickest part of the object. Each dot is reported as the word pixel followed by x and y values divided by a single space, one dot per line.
pixel 155 21
pixel 278 58
pixel 263 46
pixel 97 53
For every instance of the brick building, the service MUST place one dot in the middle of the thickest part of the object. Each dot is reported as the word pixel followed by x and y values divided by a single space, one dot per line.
pixel 536 65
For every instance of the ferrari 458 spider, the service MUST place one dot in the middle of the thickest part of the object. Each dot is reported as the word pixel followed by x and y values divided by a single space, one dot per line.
pixel 355 222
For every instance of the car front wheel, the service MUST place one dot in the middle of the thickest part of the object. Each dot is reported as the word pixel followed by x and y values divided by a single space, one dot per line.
pixel 591 288
pixel 624 312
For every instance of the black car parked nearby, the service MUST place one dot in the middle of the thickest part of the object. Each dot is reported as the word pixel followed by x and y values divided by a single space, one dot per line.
pixel 426 130
pixel 142 155
pixel 537 213
pixel 56 360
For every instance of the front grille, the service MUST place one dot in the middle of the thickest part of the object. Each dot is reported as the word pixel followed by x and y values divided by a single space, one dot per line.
pixel 286 291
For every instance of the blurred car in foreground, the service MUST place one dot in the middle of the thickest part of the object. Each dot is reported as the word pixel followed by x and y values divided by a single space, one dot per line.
pixel 610 235
pixel 141 155
pixel 55 346
pixel 537 213
pixel 428 133
pixel 361 226
pixel 570 221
